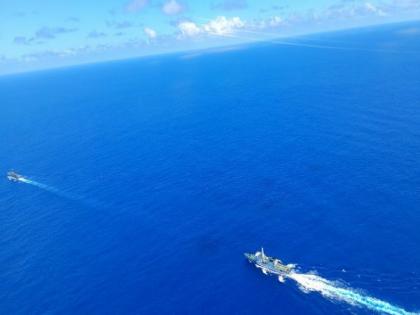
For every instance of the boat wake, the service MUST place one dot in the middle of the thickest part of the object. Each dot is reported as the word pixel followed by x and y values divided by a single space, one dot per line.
pixel 55 191
pixel 335 291
pixel 40 185
pixel 15 177
pixel 50 189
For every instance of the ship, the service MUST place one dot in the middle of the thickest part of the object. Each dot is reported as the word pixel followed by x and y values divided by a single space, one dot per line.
pixel 14 177
pixel 270 265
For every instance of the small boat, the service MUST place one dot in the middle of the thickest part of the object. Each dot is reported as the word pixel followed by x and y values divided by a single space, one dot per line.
pixel 14 177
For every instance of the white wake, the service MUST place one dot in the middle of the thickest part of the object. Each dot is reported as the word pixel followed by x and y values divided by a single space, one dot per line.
pixel 52 190
pixel 61 193
pixel 331 290
pixel 39 185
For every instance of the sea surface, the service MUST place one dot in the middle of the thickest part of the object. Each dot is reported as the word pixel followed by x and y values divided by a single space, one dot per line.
pixel 146 180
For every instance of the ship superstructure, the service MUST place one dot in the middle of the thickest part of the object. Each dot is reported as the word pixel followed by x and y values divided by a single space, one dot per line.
pixel 270 265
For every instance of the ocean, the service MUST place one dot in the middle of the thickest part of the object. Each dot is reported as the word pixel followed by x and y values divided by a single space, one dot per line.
pixel 147 179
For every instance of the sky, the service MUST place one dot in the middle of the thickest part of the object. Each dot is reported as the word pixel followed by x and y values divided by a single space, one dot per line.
pixel 38 34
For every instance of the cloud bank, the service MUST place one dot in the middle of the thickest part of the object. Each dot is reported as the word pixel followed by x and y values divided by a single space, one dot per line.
pixel 221 25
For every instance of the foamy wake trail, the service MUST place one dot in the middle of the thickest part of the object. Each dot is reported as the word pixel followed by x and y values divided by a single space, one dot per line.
pixel 49 189
pixel 39 185
pixel 331 290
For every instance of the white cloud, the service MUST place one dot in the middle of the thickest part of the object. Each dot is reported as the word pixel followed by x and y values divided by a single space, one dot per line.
pixel 222 25
pixel 270 22
pixel 136 5
pixel 353 9
pixel 150 33
pixel 275 21
pixel 218 26
pixel 189 29
pixel 172 7
pixel 374 9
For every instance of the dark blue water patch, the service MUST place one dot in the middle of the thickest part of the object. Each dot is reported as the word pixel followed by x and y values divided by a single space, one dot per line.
pixel 310 153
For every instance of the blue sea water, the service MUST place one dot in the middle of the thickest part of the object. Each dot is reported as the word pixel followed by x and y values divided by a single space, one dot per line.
pixel 154 176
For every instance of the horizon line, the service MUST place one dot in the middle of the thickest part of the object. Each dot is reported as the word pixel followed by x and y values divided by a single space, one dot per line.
pixel 210 49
